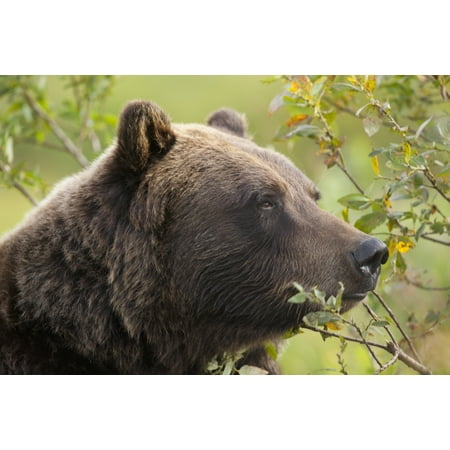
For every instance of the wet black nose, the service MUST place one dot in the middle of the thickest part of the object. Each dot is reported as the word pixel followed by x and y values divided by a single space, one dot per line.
pixel 371 253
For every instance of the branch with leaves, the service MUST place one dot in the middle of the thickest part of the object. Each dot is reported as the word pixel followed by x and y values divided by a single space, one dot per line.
pixel 410 189
pixel 28 119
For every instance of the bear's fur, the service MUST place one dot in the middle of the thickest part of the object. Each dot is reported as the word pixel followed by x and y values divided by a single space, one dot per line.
pixel 179 244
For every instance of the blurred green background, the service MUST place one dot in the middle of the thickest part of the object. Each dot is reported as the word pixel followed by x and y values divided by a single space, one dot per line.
pixel 192 99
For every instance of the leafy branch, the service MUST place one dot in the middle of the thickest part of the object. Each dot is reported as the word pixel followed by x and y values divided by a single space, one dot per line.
pixel 16 185
pixel 28 121
pixel 74 150
pixel 329 318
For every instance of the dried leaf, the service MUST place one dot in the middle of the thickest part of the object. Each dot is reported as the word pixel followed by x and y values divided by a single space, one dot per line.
pixel 375 165
pixel 370 83
pixel 387 201
pixel 333 325
pixel 371 125
pixel 407 151
pixel 296 119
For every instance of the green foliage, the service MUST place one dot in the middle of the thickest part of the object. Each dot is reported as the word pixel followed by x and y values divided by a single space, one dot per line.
pixel 407 120
pixel 72 125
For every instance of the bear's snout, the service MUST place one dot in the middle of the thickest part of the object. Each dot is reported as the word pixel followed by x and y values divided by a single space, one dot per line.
pixel 368 258
pixel 369 255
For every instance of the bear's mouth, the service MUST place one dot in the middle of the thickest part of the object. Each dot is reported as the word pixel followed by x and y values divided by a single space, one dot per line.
pixel 356 297
pixel 351 300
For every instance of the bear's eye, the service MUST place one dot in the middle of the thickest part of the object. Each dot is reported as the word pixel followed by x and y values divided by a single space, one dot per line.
pixel 266 204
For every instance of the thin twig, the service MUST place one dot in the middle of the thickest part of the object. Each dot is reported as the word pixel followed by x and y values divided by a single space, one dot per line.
pixel 347 338
pixel 390 362
pixel 405 358
pixel 19 187
pixel 365 342
pixel 437 241
pixel 57 130
pixel 375 317
pixel 349 176
pixel 392 316
pixel 432 180
pixel 426 288
pixel 389 347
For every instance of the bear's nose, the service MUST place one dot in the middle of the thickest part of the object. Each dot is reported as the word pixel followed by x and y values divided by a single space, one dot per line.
pixel 371 253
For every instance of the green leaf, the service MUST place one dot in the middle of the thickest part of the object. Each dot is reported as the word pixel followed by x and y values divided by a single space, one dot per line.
pixel 370 221
pixel 445 172
pixel 320 318
pixel 9 150
pixel 271 350
pixel 271 79
pixel 345 87
pixel 407 151
pixel 305 131
pixel 355 201
pixel 252 370
pixel 400 263
pixel 301 297
pixel 378 151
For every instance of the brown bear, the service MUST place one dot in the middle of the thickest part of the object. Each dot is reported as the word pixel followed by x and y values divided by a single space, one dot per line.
pixel 179 244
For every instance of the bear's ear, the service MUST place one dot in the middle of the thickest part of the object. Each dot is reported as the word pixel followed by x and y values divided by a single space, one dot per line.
pixel 228 120
pixel 144 134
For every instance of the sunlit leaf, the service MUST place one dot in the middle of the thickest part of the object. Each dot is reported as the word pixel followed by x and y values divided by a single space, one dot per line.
pixel 252 370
